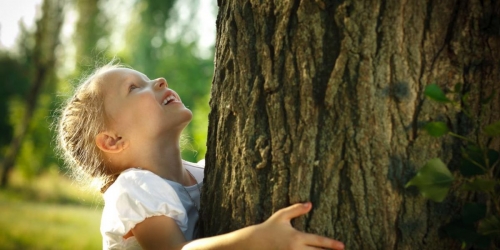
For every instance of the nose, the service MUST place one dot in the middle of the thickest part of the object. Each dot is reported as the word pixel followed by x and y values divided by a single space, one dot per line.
pixel 161 83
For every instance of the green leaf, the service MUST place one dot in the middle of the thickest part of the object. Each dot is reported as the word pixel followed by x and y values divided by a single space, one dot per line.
pixel 435 93
pixel 489 98
pixel 433 180
pixel 493 129
pixel 461 231
pixel 479 184
pixel 436 129
pixel 465 232
pixel 472 212
pixel 490 226
pixel 493 156
pixel 474 154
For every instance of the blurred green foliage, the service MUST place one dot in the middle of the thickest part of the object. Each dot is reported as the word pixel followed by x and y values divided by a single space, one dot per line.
pixel 146 49
pixel 14 85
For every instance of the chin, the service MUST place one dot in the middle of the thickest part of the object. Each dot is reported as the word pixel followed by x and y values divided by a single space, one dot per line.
pixel 186 116
pixel 177 122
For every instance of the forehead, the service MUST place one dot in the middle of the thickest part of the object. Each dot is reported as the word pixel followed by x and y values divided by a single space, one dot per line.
pixel 112 78
pixel 118 75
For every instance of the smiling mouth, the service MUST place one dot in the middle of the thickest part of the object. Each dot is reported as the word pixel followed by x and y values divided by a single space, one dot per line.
pixel 169 99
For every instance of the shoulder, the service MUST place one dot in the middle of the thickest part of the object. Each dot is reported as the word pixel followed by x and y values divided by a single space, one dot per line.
pixel 197 169
pixel 136 195
pixel 199 164
pixel 143 186
pixel 134 175
pixel 133 180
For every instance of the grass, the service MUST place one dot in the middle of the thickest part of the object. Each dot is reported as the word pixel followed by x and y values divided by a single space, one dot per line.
pixel 51 187
pixel 49 212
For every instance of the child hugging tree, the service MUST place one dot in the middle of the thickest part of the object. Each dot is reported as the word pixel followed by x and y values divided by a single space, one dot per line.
pixel 122 129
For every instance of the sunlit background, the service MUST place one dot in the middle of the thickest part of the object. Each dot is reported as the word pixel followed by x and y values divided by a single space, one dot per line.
pixel 46 46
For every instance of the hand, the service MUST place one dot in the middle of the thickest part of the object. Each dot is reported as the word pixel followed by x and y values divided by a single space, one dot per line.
pixel 277 232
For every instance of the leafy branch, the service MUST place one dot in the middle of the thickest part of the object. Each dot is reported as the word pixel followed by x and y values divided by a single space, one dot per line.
pixel 479 223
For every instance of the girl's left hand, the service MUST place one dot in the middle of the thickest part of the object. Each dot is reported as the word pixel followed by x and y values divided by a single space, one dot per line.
pixel 277 232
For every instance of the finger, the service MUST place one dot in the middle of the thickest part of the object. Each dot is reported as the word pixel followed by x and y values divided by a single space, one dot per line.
pixel 322 242
pixel 312 248
pixel 293 211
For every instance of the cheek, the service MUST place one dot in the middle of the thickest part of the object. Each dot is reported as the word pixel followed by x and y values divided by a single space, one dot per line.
pixel 144 112
pixel 124 117
pixel 139 112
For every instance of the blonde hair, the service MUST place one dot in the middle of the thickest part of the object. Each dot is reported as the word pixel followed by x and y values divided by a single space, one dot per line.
pixel 81 119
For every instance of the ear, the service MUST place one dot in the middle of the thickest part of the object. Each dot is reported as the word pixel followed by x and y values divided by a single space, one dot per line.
pixel 110 142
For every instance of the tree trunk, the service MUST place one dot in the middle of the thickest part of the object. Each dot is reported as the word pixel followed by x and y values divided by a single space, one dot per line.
pixel 323 101
pixel 46 41
pixel 92 31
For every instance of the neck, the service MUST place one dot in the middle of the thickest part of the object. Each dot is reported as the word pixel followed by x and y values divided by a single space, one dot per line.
pixel 163 159
pixel 168 164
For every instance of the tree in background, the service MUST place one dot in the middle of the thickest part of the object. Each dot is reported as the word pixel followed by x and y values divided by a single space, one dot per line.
pixel 31 152
pixel 146 34
pixel 324 101
pixel 91 37
pixel 41 61
pixel 14 85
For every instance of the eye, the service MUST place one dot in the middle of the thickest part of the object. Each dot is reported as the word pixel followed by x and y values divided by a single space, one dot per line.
pixel 132 87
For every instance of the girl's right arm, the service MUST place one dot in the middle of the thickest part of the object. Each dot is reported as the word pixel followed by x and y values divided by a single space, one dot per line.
pixel 274 233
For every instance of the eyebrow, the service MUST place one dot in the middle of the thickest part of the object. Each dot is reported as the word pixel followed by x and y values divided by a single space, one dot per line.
pixel 136 75
pixel 142 75
pixel 145 76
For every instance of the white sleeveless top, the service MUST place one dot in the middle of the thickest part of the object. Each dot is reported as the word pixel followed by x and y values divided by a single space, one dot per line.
pixel 138 194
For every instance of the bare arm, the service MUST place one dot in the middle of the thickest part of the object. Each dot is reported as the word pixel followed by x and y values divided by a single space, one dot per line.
pixel 161 232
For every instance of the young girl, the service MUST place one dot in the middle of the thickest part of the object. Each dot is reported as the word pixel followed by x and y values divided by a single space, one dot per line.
pixel 122 128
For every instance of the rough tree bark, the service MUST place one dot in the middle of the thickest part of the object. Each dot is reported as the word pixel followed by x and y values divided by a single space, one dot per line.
pixel 323 100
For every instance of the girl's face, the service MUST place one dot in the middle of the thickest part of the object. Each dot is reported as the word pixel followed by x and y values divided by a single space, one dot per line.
pixel 136 106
